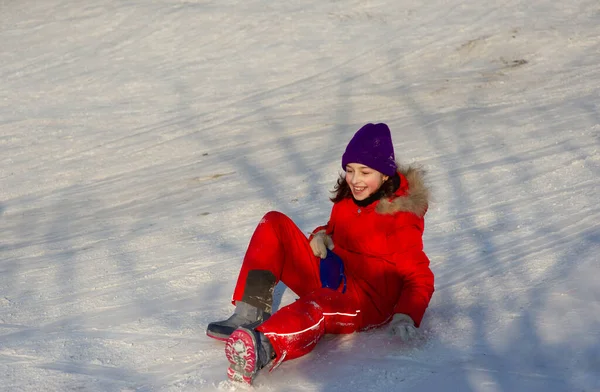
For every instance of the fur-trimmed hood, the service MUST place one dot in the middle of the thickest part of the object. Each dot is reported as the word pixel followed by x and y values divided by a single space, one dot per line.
pixel 412 197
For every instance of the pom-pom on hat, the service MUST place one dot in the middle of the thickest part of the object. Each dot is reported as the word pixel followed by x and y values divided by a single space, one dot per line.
pixel 372 146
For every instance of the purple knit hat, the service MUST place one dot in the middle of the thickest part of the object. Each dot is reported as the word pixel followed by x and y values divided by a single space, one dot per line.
pixel 372 146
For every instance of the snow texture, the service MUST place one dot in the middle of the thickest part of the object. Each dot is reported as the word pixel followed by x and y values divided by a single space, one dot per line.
pixel 141 142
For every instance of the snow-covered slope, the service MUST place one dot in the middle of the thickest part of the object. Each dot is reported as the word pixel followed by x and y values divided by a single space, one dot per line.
pixel 141 142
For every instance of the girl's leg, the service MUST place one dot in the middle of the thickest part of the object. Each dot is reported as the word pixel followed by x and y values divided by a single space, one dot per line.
pixel 295 329
pixel 278 251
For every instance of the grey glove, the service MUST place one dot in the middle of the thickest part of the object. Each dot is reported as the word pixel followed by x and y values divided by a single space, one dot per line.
pixel 320 243
pixel 403 326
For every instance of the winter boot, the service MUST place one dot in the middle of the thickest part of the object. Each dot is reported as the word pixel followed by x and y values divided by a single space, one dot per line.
pixel 254 308
pixel 244 315
pixel 247 351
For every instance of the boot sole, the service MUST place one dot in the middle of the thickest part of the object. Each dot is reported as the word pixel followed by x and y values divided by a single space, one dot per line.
pixel 222 338
pixel 240 351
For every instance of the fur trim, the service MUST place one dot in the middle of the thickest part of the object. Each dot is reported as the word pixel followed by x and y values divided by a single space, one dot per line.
pixel 416 199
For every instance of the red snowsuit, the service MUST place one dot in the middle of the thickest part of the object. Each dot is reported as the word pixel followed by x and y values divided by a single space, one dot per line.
pixel 382 249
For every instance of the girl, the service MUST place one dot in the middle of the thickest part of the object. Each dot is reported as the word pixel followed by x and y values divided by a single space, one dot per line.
pixel 366 268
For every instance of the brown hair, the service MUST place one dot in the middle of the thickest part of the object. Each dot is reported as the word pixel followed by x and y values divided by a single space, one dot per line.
pixel 341 190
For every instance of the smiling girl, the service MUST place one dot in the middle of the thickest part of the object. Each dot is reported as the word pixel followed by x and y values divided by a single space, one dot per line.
pixel 364 269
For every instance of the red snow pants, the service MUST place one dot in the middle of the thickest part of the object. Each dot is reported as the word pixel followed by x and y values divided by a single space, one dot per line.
pixel 279 246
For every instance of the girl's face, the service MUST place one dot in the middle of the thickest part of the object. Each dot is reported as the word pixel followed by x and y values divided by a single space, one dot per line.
pixel 363 181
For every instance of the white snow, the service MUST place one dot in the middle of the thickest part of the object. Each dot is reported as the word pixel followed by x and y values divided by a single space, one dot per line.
pixel 141 142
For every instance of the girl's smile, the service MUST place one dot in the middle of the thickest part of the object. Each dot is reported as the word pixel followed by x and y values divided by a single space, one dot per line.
pixel 363 181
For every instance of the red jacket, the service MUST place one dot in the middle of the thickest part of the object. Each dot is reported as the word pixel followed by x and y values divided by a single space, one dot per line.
pixel 382 249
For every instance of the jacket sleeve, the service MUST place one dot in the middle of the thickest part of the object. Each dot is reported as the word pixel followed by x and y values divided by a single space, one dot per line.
pixel 413 267
pixel 318 229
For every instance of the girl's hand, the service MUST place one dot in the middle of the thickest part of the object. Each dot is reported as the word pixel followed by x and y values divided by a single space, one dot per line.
pixel 403 326
pixel 320 243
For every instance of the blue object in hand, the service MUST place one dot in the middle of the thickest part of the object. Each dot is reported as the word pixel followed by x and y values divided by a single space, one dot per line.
pixel 331 270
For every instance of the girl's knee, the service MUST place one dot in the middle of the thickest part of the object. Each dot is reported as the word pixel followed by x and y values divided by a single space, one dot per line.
pixel 274 217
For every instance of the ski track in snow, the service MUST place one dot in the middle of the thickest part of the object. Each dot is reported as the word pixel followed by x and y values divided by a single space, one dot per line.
pixel 141 142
